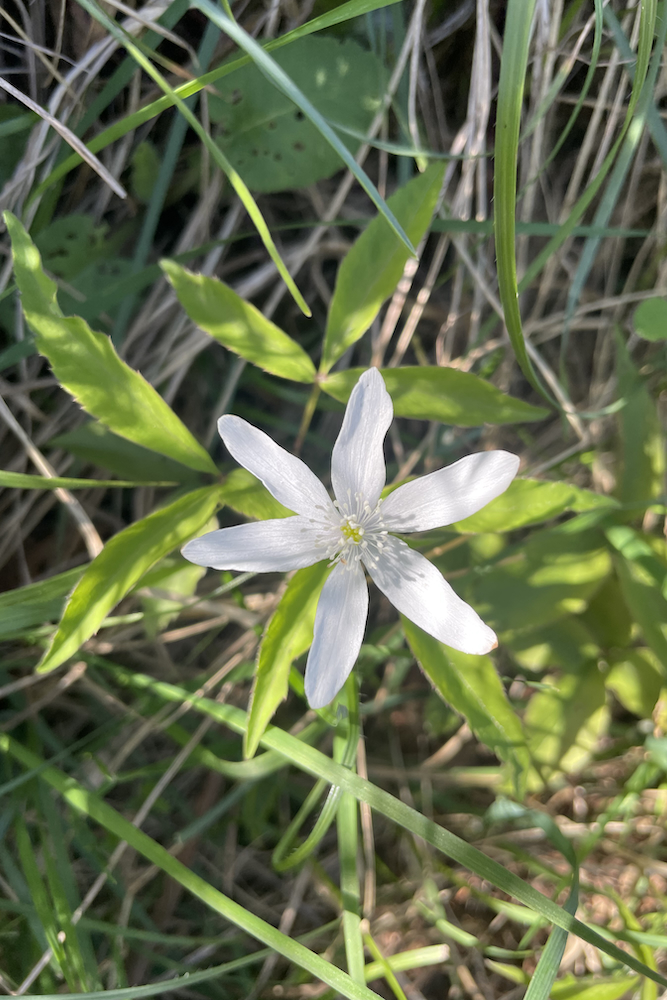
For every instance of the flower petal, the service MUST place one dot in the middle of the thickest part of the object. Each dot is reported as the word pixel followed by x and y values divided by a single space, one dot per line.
pixel 284 475
pixel 340 621
pixel 262 547
pixel 416 588
pixel 450 494
pixel 357 461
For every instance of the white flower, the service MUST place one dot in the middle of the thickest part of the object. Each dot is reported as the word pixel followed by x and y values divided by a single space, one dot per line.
pixel 355 529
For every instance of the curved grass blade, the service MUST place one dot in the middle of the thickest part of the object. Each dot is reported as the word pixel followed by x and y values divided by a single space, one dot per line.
pixel 516 42
pixel 216 153
pixel 346 11
pixel 282 81
pixel 313 762
pixel 89 804
pixel 21 481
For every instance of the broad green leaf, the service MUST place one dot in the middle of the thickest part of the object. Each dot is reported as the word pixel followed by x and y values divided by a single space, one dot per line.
pixel 645 602
pixel 272 144
pixel 238 325
pixel 86 364
pixel 37 603
pixel 529 501
pixel 20 481
pixel 288 635
pixel 444 394
pixel 650 319
pixel 642 445
pixel 121 563
pixel 163 591
pixel 636 677
pixel 565 722
pixel 567 644
pixel 246 495
pixel 549 576
pixel 470 684
pixel 373 267
pixel 94 443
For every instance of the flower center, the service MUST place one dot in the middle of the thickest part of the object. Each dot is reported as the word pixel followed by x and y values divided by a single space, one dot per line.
pixel 351 531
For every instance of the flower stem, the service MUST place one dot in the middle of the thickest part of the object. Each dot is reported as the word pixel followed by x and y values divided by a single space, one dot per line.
pixel 307 417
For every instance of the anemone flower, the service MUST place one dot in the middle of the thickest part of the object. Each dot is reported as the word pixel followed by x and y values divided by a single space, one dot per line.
pixel 356 530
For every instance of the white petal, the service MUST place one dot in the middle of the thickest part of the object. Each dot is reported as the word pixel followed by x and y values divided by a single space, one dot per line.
pixel 339 628
pixel 284 475
pixel 450 494
pixel 357 461
pixel 416 588
pixel 261 547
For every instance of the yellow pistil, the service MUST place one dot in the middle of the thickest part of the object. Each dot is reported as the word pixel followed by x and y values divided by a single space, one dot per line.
pixel 352 532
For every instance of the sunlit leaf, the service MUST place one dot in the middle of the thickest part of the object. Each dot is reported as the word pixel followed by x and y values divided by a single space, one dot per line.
pixel 238 324
pixel 471 685
pixel 288 635
pixel 121 563
pixel 87 365
pixel 444 394
pixel 373 266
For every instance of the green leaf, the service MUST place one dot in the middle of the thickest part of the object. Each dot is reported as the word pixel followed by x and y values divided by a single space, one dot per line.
pixel 373 267
pixel 636 677
pixel 238 325
pixel 550 575
pixel 567 644
pixel 264 135
pixel 650 319
pixel 121 563
pixel 445 394
pixel 94 443
pixel 645 602
pixel 246 495
pixel 20 481
pixel 529 501
pixel 642 447
pixel 86 364
pixel 37 603
pixel 470 684
pixel 288 635
pixel 565 722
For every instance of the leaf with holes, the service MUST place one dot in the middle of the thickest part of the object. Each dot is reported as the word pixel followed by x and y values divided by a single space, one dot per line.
pixel 265 136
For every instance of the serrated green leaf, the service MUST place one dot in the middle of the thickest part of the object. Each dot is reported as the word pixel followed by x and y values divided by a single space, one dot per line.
pixel 121 563
pixel 87 365
pixel 373 267
pixel 529 501
pixel 470 684
pixel 288 635
pixel 445 394
pixel 246 495
pixel 238 324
